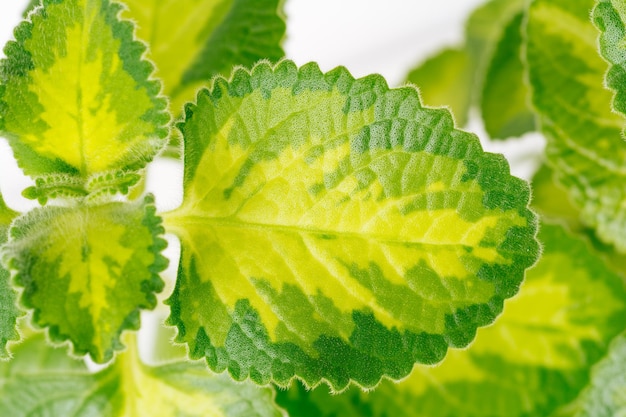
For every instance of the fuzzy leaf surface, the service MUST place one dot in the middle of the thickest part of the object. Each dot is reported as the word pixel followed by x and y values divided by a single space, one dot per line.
pixel 193 40
pixel 336 229
pixel 9 312
pixel 445 80
pixel 504 102
pixel 44 381
pixel 88 270
pixel 76 95
pixel 585 147
pixel 534 358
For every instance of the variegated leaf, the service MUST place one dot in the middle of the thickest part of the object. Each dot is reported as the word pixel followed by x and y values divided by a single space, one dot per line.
pixel 585 147
pixel 76 95
pixel 9 312
pixel 88 270
pixel 532 360
pixel 335 229
pixel 193 40
pixel 43 381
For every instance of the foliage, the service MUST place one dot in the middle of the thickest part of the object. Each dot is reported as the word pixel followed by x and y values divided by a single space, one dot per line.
pixel 337 235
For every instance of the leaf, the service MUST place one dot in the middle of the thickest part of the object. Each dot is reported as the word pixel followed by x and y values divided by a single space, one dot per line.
pixel 88 270
pixel 444 80
pixel 9 312
pixel 610 17
pixel 335 229
pixel 486 72
pixel 585 148
pixel 604 397
pixel 76 96
pixel 551 201
pixel 192 40
pixel 59 386
pixel 504 99
pixel 533 359
pixel 484 32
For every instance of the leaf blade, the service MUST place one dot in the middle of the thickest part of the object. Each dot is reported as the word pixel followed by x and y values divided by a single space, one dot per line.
pixel 58 385
pixel 9 311
pixel 584 147
pixel 77 96
pixel 64 265
pixel 192 41
pixel 328 141
pixel 532 360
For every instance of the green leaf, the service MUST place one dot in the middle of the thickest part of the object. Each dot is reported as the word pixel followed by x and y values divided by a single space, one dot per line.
pixel 610 17
pixel 76 96
pixel 585 147
pixel 9 312
pixel 552 202
pixel 534 358
pixel 604 397
pixel 88 270
pixel 444 80
pixel 336 229
pixel 487 72
pixel 43 381
pixel 505 97
pixel 484 31
pixel 191 41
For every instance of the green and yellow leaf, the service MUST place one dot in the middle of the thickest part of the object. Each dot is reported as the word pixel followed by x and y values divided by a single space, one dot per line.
pixel 9 311
pixel 87 271
pixel 43 381
pixel 76 95
pixel 335 229
pixel 445 80
pixel 193 40
pixel 533 359
pixel 504 102
pixel 585 147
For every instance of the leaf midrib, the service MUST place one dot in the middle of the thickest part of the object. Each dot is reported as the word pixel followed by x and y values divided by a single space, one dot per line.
pixel 177 220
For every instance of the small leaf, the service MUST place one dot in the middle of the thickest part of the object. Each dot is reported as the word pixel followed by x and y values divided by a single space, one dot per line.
pixel 58 386
pixel 88 270
pixel 9 312
pixel 445 80
pixel 604 397
pixel 533 359
pixel 335 229
pixel 192 40
pixel 76 96
pixel 585 147
pixel 505 97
